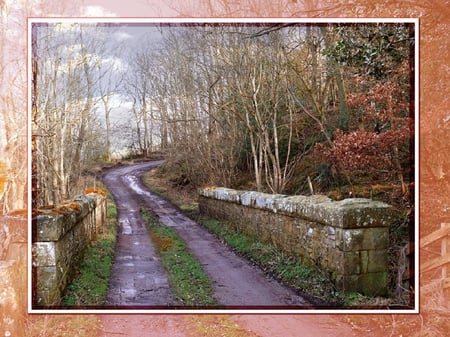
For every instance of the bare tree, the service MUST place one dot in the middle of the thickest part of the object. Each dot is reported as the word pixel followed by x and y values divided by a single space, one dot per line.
pixel 12 105
pixel 261 82
pixel 216 88
pixel 139 87
pixel 66 81
pixel 110 79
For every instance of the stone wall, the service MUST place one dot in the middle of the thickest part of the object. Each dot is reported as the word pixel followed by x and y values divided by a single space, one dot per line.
pixel 347 239
pixel 60 236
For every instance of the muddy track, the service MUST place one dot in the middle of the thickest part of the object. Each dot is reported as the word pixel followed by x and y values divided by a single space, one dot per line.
pixel 138 279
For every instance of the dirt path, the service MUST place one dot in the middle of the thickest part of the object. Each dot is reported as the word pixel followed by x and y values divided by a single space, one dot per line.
pixel 138 278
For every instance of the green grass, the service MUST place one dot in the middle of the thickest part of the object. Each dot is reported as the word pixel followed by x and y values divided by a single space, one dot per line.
pixel 89 287
pixel 187 279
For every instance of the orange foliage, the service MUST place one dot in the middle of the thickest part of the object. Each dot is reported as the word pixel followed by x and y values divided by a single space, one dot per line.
pixel 379 187
pixel 51 210
pixel 51 206
pixel 71 205
pixel 163 243
pixel 47 211
pixel 95 190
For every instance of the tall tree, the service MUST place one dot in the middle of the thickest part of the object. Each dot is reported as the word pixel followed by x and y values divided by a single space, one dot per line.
pixel 68 59
pixel 13 138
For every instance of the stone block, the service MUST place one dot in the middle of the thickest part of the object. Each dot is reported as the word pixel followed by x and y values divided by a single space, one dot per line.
pixel 287 205
pixel 357 213
pixel 373 284
pixel 307 207
pixel 248 198
pixel 227 194
pixel 312 207
pixel 44 254
pixel 48 291
pixel 347 283
pixel 87 204
pixel 207 192
pixel 364 261
pixel 50 227
pixel 351 262
pixel 378 261
pixel 362 239
pixel 268 201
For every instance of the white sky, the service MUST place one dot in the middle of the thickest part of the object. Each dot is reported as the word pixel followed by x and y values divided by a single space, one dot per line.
pixel 122 41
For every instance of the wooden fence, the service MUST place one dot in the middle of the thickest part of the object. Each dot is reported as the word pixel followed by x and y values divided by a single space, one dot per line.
pixel 442 235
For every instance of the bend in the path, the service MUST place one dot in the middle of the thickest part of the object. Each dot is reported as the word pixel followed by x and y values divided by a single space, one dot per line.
pixel 138 278
pixel 237 283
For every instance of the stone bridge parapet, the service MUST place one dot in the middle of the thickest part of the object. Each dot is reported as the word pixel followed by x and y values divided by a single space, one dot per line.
pixel 59 238
pixel 348 239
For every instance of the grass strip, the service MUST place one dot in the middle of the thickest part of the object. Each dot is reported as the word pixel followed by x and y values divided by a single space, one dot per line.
pixel 187 279
pixel 89 287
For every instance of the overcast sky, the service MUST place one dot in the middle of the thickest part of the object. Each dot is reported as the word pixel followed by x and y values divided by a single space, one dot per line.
pixel 131 37
pixel 122 41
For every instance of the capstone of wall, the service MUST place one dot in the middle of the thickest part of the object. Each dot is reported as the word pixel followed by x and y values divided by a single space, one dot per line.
pixel 59 238
pixel 348 240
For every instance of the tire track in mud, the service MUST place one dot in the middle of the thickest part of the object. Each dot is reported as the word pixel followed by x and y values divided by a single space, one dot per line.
pixel 236 282
pixel 137 278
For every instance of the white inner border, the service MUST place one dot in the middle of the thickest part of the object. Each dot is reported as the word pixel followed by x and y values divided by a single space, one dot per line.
pixel 415 21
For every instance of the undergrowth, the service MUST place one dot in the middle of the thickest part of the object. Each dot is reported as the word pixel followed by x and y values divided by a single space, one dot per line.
pixel 89 287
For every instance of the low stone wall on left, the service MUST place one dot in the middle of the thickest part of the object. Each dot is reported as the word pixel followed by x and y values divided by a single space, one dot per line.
pixel 59 238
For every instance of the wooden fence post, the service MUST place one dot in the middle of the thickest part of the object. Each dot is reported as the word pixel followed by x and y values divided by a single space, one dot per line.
pixel 443 261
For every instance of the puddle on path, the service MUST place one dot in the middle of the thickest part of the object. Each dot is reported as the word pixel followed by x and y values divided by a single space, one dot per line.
pixel 138 278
